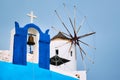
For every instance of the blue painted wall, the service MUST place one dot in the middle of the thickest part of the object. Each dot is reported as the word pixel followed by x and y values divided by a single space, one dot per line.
pixel 20 46
pixel 9 71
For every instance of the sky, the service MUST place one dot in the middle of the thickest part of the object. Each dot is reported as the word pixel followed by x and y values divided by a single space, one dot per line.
pixel 103 17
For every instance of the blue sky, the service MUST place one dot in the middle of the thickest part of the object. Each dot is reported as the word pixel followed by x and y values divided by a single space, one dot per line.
pixel 103 16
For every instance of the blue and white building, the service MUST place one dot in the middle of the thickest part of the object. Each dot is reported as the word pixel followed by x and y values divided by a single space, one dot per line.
pixel 51 59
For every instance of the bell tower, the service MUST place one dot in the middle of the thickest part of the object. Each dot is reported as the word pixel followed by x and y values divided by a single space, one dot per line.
pixel 30 44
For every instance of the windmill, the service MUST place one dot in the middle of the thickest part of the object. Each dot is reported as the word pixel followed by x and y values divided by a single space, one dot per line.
pixel 75 38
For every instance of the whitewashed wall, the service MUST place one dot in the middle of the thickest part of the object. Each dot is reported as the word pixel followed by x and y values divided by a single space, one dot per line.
pixel 69 68
pixel 64 53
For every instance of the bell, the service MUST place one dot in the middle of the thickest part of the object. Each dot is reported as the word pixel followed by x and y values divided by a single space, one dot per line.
pixel 31 40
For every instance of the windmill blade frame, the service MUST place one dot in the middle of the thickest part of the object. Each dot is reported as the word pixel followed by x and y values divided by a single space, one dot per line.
pixel 85 35
pixel 63 24
pixel 87 44
pixel 73 25
pixel 81 24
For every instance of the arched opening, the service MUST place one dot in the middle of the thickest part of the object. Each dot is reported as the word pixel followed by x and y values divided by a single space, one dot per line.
pixel 20 45
pixel 33 50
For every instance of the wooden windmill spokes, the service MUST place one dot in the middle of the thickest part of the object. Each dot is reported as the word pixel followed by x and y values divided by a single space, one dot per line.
pixel 75 38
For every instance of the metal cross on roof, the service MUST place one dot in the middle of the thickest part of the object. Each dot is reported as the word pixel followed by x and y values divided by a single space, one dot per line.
pixel 32 16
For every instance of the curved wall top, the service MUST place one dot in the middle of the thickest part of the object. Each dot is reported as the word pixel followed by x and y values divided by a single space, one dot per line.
pixel 20 42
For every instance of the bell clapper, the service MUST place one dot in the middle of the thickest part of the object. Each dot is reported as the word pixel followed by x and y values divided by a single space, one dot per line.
pixel 31 52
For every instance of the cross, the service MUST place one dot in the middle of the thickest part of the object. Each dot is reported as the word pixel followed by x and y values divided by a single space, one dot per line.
pixel 32 16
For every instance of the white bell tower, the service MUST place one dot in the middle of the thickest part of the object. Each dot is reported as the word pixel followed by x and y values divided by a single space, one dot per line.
pixel 34 56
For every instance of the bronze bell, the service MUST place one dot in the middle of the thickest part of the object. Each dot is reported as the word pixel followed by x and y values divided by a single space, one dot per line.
pixel 31 40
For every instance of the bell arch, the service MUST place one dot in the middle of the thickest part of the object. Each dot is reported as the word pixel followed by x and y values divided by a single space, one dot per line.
pixel 20 46
pixel 32 45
